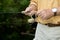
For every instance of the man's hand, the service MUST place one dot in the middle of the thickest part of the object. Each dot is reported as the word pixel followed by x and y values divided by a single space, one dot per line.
pixel 45 14
pixel 30 10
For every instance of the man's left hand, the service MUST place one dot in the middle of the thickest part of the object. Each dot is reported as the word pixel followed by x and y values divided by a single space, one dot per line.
pixel 45 14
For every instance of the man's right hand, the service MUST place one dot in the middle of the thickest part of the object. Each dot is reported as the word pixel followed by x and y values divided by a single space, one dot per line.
pixel 30 10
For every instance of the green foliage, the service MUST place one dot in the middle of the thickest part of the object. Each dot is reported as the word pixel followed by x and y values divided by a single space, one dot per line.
pixel 13 5
pixel 24 4
pixel 11 22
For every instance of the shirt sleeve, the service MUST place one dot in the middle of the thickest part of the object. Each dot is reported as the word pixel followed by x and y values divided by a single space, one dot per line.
pixel 34 2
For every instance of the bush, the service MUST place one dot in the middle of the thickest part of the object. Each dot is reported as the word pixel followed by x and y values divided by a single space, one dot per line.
pixel 13 23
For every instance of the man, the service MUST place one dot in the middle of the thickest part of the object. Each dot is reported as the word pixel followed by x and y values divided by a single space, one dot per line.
pixel 45 9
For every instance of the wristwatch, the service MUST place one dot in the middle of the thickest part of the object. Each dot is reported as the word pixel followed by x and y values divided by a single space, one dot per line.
pixel 54 10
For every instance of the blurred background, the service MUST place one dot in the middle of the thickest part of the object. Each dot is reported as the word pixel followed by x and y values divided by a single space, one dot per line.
pixel 13 24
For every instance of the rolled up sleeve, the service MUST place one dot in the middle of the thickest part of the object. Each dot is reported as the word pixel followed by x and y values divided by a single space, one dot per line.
pixel 34 2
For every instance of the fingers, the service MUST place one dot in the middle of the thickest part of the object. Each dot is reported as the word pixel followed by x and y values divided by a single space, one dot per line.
pixel 27 11
pixel 23 12
pixel 32 13
pixel 38 12
pixel 42 14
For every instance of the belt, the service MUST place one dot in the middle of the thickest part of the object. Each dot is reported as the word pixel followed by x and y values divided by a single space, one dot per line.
pixel 50 24
pixel 53 25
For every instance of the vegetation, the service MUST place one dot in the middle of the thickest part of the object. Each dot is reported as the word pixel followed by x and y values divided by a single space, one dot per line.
pixel 13 25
